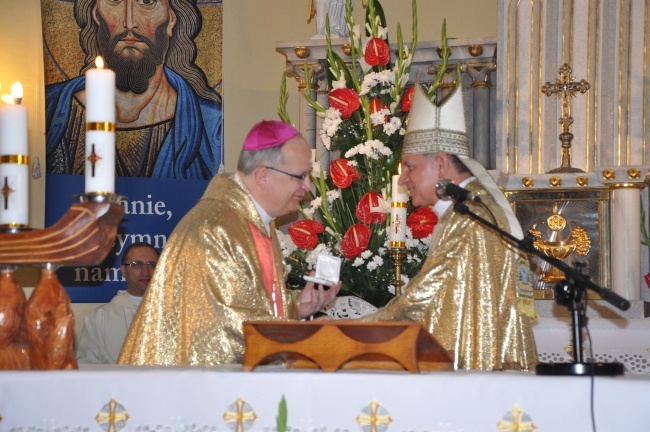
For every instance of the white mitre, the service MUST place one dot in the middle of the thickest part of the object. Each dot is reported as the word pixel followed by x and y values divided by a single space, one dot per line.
pixel 439 128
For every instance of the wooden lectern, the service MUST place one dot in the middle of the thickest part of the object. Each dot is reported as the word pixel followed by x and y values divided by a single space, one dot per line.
pixel 333 345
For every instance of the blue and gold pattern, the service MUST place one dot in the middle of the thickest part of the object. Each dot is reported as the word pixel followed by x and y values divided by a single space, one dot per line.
pixel 240 416
pixel 374 418
pixel 112 417
pixel 516 421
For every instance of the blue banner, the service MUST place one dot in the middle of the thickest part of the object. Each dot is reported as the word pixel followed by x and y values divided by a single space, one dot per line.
pixel 152 208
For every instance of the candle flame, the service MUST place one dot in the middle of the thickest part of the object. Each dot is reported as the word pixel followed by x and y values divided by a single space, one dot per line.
pixel 16 94
pixel 17 90
pixel 399 168
pixel 99 62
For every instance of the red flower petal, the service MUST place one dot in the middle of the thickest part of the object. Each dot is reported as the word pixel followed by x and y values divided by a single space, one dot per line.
pixel 355 241
pixel 377 52
pixel 304 233
pixel 422 221
pixel 364 214
pixel 407 99
pixel 343 174
pixel 345 100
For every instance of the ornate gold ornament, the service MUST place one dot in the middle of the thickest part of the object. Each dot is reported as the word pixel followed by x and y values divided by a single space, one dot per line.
pixel 475 50
pixel 582 181
pixel 555 181
pixel 302 52
pixel 347 49
pixel 528 182
pixel 634 173
pixel 609 174
pixel 565 89
pixel 559 246
pixel 439 51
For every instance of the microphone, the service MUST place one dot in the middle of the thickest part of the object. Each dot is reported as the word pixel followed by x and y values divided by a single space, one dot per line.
pixel 447 189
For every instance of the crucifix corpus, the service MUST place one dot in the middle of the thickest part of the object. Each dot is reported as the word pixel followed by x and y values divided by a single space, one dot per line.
pixel 564 89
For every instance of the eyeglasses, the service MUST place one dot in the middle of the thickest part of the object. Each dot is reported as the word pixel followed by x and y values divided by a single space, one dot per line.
pixel 299 177
pixel 140 265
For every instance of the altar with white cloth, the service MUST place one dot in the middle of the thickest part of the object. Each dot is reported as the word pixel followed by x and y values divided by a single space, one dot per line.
pixel 121 398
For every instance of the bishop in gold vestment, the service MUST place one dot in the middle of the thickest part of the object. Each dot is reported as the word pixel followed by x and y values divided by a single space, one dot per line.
pixel 472 292
pixel 223 264
pixel 467 293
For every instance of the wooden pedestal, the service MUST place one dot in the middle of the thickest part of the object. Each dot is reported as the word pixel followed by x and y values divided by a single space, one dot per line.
pixel 332 345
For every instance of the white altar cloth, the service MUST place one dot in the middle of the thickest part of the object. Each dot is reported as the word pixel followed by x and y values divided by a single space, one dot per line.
pixel 222 399
pixel 624 341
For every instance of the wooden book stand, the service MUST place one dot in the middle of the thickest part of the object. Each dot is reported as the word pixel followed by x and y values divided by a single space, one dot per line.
pixel 333 345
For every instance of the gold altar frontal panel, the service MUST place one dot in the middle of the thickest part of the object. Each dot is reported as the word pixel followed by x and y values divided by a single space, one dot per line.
pixel 569 224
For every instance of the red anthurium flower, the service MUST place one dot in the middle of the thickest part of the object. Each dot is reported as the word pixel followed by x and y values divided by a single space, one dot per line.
pixel 343 174
pixel 377 52
pixel 345 100
pixel 422 221
pixel 407 99
pixel 647 280
pixel 376 105
pixel 364 213
pixel 355 240
pixel 304 233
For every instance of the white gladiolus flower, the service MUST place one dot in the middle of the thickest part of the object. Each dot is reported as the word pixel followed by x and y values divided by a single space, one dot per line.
pixel 333 195
pixel 352 163
pixel 357 262
pixel 366 254
pixel 372 266
pixel 378 260
pixel 382 32
pixel 339 83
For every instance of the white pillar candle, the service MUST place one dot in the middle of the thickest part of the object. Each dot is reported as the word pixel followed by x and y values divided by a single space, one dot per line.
pixel 100 129
pixel 399 202
pixel 14 161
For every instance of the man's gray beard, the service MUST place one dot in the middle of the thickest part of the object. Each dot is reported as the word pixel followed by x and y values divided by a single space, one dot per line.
pixel 133 74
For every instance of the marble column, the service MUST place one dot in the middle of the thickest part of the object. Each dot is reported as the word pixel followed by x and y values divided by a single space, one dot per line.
pixel 626 185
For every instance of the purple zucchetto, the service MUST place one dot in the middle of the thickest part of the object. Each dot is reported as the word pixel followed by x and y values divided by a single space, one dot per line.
pixel 267 134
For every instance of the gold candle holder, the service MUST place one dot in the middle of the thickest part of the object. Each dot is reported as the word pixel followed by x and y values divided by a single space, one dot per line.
pixel 397 254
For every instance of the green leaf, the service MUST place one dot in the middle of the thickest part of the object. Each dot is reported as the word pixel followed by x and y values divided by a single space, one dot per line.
pixel 281 419
pixel 284 96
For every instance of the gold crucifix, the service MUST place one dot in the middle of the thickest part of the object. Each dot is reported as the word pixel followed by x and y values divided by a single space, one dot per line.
pixel 93 159
pixel 565 88
pixel 6 191
pixel 397 223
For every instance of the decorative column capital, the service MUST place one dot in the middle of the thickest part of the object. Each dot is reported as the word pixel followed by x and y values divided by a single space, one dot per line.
pixel 316 74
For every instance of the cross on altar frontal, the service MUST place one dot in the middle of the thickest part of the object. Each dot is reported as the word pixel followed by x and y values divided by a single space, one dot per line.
pixel 565 89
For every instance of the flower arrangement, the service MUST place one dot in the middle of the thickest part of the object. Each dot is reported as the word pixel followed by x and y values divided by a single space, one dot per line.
pixel 369 101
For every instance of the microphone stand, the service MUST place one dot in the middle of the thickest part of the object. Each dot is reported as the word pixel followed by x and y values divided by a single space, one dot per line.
pixel 569 292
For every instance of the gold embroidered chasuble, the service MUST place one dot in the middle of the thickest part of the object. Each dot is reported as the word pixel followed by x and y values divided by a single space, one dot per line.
pixel 466 293
pixel 208 281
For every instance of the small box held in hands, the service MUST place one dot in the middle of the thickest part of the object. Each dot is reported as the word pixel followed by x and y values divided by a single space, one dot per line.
pixel 328 268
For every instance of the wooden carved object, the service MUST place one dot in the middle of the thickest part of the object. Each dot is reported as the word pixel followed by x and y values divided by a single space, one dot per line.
pixel 14 350
pixel 39 333
pixel 333 345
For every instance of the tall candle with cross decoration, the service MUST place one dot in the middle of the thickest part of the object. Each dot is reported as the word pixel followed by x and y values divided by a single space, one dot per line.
pixel 100 130
pixel 398 206
pixel 14 161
